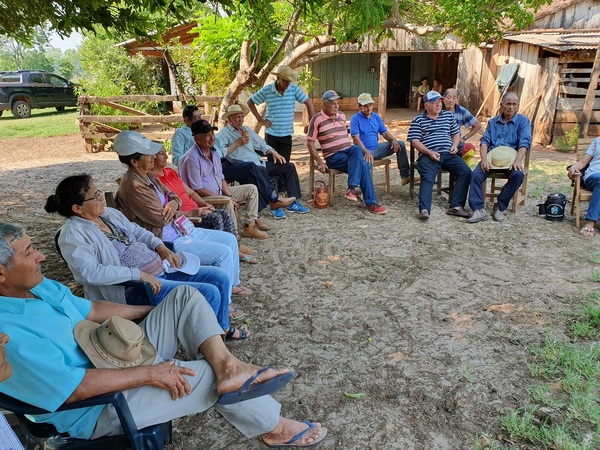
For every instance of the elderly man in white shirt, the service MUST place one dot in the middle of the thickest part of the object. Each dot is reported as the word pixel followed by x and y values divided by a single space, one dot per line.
pixel 238 143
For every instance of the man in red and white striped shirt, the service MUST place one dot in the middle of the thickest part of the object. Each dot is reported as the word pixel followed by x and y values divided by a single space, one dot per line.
pixel 329 128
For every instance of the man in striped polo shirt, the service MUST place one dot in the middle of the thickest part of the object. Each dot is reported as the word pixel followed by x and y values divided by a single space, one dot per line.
pixel 435 135
pixel 329 128
pixel 280 98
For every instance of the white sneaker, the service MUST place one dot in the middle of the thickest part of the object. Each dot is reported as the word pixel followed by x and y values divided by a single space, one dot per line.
pixel 478 216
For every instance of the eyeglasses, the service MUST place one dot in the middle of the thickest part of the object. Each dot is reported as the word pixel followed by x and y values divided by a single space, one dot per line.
pixel 97 196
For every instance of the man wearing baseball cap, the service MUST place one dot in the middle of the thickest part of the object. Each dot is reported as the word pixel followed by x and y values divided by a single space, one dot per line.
pixel 280 97
pixel 329 128
pixel 200 168
pixel 365 128
pixel 435 135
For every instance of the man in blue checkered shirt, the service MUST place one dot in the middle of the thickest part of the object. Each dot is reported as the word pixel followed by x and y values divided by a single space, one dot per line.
pixel 435 135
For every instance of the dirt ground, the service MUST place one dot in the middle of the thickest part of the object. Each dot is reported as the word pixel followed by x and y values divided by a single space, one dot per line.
pixel 429 320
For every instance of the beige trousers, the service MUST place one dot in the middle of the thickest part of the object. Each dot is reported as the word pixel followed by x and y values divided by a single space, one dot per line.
pixel 246 195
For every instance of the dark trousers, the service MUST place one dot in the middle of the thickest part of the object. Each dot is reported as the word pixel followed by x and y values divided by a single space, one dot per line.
pixel 249 173
pixel 428 169
pixel 282 145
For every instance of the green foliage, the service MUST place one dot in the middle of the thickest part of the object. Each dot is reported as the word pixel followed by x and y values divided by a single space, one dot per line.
pixel 109 71
pixel 569 141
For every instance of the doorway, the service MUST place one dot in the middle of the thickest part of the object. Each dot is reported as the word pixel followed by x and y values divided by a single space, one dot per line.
pixel 398 84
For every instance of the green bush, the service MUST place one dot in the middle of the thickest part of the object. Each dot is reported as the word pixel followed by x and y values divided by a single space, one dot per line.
pixel 569 141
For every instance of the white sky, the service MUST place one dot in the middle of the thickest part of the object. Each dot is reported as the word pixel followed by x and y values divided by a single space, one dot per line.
pixel 71 42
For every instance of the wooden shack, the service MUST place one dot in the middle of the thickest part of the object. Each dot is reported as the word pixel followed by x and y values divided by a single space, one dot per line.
pixel 555 56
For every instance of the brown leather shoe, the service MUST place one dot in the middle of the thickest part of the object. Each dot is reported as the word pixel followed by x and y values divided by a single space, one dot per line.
pixel 251 232
pixel 260 225
pixel 282 202
pixel 244 249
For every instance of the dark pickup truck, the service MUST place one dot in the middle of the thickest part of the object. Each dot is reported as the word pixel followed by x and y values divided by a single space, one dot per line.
pixel 23 90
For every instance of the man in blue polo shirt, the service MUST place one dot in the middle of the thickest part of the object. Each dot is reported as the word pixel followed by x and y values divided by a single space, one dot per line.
pixel 365 128
pixel 280 98
pixel 509 129
pixel 435 135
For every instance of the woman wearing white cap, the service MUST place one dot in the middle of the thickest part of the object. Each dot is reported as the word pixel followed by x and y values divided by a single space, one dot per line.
pixel 145 200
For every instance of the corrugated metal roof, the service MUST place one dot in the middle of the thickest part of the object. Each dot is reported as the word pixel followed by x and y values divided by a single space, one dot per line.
pixel 561 41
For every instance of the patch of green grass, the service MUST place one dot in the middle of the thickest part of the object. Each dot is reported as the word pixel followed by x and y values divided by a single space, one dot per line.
pixel 595 258
pixel 596 276
pixel 42 123
pixel 563 411
pixel 547 177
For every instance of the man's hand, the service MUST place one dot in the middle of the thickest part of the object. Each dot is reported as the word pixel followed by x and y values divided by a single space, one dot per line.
pixel 168 255
pixel 485 165
pixel 169 376
pixel 5 368
pixel 453 150
pixel 368 156
pixel 278 158
pixel 395 145
pixel 322 166
pixel 244 139
pixel 266 123
pixel 170 210
pixel 434 156
pixel 154 282
pixel 517 165
pixel 572 172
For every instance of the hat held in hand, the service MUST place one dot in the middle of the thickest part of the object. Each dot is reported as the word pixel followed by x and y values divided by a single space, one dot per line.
pixel 501 157
pixel 116 344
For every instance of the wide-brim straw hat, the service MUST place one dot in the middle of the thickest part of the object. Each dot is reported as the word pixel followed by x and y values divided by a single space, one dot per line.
pixel 235 109
pixel 116 344
pixel 501 157
pixel 286 73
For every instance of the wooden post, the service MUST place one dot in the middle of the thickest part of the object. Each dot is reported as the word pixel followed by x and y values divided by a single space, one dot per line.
pixel 383 76
pixel 590 96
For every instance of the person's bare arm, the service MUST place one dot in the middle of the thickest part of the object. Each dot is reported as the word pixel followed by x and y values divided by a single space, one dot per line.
pixel 392 140
pixel 455 142
pixel 420 147
pixel 366 153
pixel 165 375
pixel 575 169
pixel 5 368
pixel 255 113
pixel 315 154
pixel 472 131
pixel 103 310
pixel 483 151
pixel 518 162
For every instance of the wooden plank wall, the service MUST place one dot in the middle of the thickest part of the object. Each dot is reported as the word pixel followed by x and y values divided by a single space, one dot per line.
pixel 549 79
pixel 573 80
pixel 347 74
pixel 580 15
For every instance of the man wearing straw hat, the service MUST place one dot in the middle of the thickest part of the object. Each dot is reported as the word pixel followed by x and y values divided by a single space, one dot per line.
pixel 65 348
pixel 239 144
pixel 280 97
pixel 504 133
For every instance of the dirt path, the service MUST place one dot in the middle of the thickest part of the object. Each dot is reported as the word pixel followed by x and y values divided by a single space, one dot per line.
pixel 428 320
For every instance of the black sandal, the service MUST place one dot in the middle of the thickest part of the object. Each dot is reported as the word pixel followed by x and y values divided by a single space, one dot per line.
pixel 229 335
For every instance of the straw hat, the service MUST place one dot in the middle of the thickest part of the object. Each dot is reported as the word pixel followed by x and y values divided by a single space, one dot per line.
pixel 234 109
pixel 501 157
pixel 286 73
pixel 117 343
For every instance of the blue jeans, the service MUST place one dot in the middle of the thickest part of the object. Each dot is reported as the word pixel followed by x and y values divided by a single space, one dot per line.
pixel 212 282
pixel 476 194
pixel 353 163
pixel 384 149
pixel 592 183
pixel 428 169
pixel 214 248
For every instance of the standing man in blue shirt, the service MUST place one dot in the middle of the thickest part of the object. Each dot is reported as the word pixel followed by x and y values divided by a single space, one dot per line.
pixel 365 128
pixel 280 98
pixel 435 135
pixel 510 129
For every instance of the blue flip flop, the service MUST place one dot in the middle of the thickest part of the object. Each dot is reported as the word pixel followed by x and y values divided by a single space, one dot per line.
pixel 292 441
pixel 249 390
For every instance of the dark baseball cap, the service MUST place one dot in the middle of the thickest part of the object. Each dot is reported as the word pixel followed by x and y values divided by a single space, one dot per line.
pixel 202 126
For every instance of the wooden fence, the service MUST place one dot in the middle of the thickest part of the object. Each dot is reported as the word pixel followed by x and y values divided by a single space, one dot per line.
pixel 97 127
